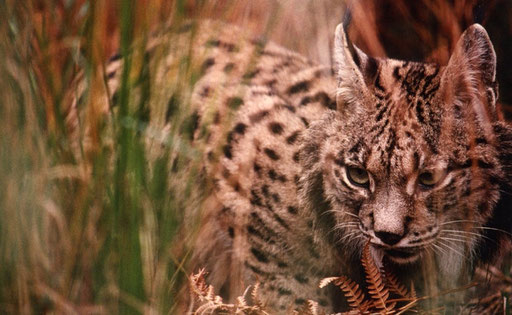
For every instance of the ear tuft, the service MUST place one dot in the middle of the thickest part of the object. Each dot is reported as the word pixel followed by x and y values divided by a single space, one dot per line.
pixel 472 67
pixel 479 52
pixel 354 70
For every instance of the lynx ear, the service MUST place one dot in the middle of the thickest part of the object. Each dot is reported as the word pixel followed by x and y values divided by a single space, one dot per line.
pixel 354 71
pixel 471 71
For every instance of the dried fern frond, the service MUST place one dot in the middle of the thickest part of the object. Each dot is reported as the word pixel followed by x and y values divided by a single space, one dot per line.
pixel 376 286
pixel 413 291
pixel 411 295
pixel 353 293
pixel 310 308
pixel 198 284
pixel 325 281
pixel 241 301
pixel 490 304
pixel 380 284
pixel 492 292
pixel 394 285
pixel 256 297
pixel 209 303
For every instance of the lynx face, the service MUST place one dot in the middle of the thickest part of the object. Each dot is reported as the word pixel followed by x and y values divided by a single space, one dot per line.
pixel 409 159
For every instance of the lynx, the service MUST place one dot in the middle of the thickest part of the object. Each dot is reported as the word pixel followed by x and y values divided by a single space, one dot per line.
pixel 408 156
pixel 310 162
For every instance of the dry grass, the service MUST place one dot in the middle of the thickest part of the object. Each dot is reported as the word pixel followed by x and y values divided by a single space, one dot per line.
pixel 93 228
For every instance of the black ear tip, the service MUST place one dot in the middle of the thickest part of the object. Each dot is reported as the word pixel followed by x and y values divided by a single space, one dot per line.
pixel 477 30
pixel 476 38
pixel 477 26
pixel 347 18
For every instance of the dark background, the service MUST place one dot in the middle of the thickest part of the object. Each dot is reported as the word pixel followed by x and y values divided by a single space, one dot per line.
pixel 429 30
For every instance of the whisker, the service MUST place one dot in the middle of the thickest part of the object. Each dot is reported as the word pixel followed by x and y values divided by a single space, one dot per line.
pixel 431 248
pixel 505 192
pixel 344 226
pixel 457 235
pixel 477 227
pixel 343 212
pixel 446 249
pixel 459 232
pixel 452 249
pixel 350 214
pixel 347 224
pixel 492 229
pixel 458 221
pixel 439 248
pixel 347 236
pixel 426 249
pixel 352 233
pixel 352 238
pixel 453 239
pixel 360 237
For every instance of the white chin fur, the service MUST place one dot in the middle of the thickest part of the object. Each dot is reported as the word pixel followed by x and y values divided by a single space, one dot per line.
pixel 450 263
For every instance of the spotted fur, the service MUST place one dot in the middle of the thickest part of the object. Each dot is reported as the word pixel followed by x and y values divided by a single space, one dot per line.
pixel 281 135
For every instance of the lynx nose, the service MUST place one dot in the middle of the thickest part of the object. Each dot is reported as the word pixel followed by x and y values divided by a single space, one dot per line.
pixel 389 238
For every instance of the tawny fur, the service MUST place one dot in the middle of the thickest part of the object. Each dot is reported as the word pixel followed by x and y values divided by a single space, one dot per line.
pixel 280 133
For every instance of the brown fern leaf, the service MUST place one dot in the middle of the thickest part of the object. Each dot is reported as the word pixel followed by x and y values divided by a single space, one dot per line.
pixel 255 296
pixel 355 296
pixel 198 283
pixel 205 301
pixel 394 285
pixel 376 286
pixel 325 281
pixel 413 291
pixel 312 307
pixel 309 308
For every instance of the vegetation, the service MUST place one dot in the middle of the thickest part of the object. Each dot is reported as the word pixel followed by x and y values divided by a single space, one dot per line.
pixel 89 216
pixel 90 219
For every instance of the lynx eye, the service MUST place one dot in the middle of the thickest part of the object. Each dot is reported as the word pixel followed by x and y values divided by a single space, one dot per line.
pixel 358 176
pixel 429 179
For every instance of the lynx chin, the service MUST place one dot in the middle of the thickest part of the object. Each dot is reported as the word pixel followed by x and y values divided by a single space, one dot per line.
pixel 310 162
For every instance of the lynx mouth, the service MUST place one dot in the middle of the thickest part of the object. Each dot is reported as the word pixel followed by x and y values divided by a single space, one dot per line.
pixel 402 255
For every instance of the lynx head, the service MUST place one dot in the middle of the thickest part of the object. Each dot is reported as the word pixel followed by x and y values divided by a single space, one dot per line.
pixel 413 158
